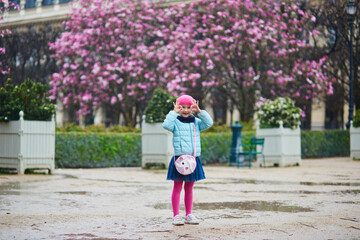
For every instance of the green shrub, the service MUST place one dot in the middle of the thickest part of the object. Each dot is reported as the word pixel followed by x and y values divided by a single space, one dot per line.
pixel 356 122
pixel 89 150
pixel 215 147
pixel 29 97
pixel 320 144
pixel 93 150
pixel 159 105
pixel 219 127
pixel 123 129
pixel 71 127
pixel 281 109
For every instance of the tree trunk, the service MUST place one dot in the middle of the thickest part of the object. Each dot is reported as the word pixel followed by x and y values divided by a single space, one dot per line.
pixel 129 121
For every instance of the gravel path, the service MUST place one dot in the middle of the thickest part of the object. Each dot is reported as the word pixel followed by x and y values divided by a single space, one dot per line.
pixel 318 200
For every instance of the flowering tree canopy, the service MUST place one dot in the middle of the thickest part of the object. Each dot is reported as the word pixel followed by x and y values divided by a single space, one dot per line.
pixel 109 54
pixel 245 47
pixel 117 53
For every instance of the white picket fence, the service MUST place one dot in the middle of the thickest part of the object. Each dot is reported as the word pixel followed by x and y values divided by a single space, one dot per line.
pixel 354 142
pixel 157 145
pixel 27 145
pixel 282 145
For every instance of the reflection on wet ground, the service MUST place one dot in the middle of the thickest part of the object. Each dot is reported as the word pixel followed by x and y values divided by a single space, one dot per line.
pixel 331 183
pixel 252 205
pixel 11 188
pixel 301 192
pixel 271 182
pixel 265 206
pixel 76 192
pixel 15 188
pixel 350 202
pixel 349 191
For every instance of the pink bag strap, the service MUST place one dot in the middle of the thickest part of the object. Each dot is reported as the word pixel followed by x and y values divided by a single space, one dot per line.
pixel 194 142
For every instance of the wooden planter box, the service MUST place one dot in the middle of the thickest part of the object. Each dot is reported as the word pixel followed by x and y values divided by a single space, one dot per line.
pixel 282 146
pixel 157 148
pixel 354 142
pixel 27 145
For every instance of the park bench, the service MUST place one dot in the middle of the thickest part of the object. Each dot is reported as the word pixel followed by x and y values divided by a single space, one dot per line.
pixel 250 152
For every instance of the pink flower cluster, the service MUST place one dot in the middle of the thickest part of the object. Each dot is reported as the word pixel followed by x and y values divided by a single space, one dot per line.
pixel 118 52
pixel 109 53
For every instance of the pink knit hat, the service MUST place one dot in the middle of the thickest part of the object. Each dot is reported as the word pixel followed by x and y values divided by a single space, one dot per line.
pixel 185 100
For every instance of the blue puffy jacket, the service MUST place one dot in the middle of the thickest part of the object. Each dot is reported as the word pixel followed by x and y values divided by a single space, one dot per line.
pixel 183 133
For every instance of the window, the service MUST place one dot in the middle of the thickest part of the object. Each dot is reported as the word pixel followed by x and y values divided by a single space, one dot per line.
pixel 30 3
pixel 48 2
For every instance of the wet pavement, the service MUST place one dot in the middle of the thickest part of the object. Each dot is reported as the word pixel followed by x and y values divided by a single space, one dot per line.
pixel 318 200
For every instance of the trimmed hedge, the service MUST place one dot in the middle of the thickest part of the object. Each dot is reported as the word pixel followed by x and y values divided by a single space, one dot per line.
pixel 329 143
pixel 215 147
pixel 91 150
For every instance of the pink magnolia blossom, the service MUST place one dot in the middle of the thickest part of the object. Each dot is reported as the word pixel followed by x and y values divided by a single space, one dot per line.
pixel 127 48
pixel 100 53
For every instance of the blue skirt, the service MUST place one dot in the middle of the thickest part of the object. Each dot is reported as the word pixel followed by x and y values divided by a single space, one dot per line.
pixel 174 175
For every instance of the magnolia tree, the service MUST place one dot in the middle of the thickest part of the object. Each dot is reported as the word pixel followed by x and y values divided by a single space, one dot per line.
pixel 244 48
pixel 117 52
pixel 108 55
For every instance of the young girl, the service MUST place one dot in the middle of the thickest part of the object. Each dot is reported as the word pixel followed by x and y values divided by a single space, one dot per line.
pixel 181 122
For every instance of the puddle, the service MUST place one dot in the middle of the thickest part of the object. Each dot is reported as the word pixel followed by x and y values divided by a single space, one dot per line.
pixel 151 188
pixel 68 176
pixel 271 182
pixel 306 192
pixel 204 188
pixel 230 216
pixel 76 192
pixel 289 192
pixel 267 182
pixel 252 205
pixel 112 180
pixel 331 183
pixel 252 181
pixel 79 236
pixel 349 202
pixel 262 206
pixel 15 187
pixel 11 188
pixel 349 191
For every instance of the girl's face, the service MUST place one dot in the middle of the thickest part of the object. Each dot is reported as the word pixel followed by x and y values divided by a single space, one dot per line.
pixel 185 111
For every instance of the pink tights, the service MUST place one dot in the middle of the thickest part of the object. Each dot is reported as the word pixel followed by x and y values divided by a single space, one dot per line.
pixel 188 198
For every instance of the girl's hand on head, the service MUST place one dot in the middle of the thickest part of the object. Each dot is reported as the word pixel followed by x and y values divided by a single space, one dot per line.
pixel 177 107
pixel 195 106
